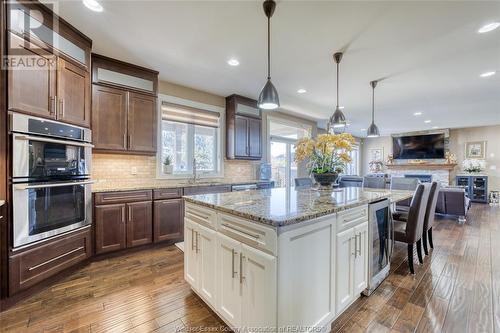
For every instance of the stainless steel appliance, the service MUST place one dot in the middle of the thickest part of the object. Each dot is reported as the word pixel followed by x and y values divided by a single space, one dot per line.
pixel 380 244
pixel 51 191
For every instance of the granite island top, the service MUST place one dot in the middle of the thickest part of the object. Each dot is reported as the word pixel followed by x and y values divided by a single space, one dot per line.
pixel 284 206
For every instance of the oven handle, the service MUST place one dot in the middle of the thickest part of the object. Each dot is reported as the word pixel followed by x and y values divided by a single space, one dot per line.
pixel 64 142
pixel 27 187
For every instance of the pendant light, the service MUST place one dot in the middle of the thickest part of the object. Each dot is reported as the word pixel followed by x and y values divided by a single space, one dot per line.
pixel 337 120
pixel 373 131
pixel 268 98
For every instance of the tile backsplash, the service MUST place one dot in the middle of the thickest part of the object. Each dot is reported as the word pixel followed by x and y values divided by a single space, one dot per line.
pixel 115 171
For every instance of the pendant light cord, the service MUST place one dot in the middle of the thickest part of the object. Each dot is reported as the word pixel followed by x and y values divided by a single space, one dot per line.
pixel 268 48
pixel 337 85
pixel 373 104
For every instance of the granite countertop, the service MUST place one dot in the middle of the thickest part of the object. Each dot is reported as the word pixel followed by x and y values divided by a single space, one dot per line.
pixel 280 206
pixel 113 187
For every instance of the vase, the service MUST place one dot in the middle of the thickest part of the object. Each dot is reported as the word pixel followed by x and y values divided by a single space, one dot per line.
pixel 326 180
pixel 168 169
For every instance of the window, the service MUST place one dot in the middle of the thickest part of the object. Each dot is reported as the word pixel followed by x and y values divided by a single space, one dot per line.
pixel 283 135
pixel 189 135
pixel 353 167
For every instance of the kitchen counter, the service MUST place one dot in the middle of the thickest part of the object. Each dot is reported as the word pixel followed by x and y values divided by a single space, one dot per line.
pixel 113 187
pixel 280 206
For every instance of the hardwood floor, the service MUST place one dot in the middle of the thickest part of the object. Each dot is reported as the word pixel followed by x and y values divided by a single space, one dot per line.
pixel 457 289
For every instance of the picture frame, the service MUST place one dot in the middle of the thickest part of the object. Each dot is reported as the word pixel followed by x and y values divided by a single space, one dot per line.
pixel 376 154
pixel 475 150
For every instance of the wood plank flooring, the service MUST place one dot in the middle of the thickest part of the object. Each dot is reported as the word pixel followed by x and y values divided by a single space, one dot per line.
pixel 457 289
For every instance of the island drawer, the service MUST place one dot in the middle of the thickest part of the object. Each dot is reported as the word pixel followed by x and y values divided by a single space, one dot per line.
pixel 200 214
pixel 167 193
pixel 250 233
pixel 351 217
pixel 105 198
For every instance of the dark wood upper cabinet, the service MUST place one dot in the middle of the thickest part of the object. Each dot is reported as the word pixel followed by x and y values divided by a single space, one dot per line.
pixel 110 228
pixel 129 93
pixel 243 128
pixel 168 220
pixel 139 223
pixel 40 82
pixel 73 93
pixel 109 106
pixel 142 122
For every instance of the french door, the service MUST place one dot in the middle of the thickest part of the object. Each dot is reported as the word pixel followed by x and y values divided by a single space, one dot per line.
pixel 284 168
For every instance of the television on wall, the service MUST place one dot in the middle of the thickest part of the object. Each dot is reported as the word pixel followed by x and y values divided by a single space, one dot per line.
pixel 421 147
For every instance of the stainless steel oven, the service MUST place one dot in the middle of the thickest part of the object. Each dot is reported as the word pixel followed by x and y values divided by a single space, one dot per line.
pixel 51 186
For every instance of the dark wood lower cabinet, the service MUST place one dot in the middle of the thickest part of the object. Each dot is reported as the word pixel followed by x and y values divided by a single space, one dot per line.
pixel 39 262
pixel 110 229
pixel 168 220
pixel 139 226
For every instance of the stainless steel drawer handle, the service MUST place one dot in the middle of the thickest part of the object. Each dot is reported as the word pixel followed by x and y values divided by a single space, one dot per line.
pixel 55 258
pixel 355 217
pixel 27 187
pixel 240 231
pixel 233 253
pixel 41 139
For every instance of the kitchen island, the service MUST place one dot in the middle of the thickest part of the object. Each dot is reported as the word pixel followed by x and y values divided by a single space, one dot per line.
pixel 280 259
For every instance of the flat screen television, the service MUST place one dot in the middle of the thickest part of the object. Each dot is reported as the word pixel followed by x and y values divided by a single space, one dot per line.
pixel 418 147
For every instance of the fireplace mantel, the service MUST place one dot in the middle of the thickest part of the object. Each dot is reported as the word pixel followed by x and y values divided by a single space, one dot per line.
pixel 422 166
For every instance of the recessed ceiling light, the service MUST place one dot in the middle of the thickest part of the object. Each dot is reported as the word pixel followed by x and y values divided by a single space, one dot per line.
pixel 417 114
pixel 487 74
pixel 93 5
pixel 233 62
pixel 427 121
pixel 301 91
pixel 488 27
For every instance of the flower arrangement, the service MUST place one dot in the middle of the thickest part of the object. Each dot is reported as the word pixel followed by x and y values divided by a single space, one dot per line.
pixel 328 154
pixel 473 165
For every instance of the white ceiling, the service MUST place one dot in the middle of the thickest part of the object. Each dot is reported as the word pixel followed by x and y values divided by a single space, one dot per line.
pixel 428 53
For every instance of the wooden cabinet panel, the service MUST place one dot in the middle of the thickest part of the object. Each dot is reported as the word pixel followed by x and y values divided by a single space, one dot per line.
pixel 344 277
pixel 73 94
pixel 32 91
pixel 110 233
pixel 206 245
pixel 240 136
pixel 42 261
pixel 109 118
pixel 254 138
pixel 103 198
pixel 142 123
pixel 139 223
pixel 190 255
pixel 167 193
pixel 168 220
pixel 361 258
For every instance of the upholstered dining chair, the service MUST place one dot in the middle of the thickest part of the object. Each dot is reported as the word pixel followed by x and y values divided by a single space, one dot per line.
pixel 430 213
pixel 374 182
pixel 403 183
pixel 410 231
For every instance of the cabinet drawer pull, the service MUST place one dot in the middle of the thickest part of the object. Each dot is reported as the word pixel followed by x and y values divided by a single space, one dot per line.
pixel 357 216
pixel 242 278
pixel 197 241
pixel 234 253
pixel 62 108
pixel 53 106
pixel 359 244
pixel 123 215
pixel 240 231
pixel 192 239
pixel 55 258
pixel 355 246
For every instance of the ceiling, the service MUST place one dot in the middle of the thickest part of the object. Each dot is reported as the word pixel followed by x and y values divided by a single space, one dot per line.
pixel 427 54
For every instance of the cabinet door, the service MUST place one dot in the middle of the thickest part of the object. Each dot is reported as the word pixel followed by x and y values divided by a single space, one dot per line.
pixel 207 246
pixel 168 220
pixel 110 232
pixel 32 91
pixel 344 269
pixel 254 138
pixel 73 92
pixel 258 273
pixel 142 123
pixel 109 118
pixel 139 223
pixel 190 254
pixel 361 258
pixel 240 136
pixel 228 280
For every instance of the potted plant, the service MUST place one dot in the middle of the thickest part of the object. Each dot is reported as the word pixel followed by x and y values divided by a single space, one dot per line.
pixel 168 168
pixel 326 156
pixel 473 165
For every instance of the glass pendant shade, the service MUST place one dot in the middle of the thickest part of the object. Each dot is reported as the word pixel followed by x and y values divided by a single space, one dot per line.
pixel 338 119
pixel 373 131
pixel 268 98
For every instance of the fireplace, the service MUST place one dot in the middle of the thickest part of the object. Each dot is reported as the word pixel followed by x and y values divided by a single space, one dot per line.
pixel 422 177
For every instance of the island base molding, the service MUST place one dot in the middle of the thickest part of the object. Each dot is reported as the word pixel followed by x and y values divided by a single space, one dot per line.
pixel 260 278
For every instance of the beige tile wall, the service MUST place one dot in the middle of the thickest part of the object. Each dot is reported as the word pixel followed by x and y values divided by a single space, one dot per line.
pixel 118 171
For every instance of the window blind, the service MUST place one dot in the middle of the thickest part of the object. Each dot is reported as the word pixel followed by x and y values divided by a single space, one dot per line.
pixel 189 115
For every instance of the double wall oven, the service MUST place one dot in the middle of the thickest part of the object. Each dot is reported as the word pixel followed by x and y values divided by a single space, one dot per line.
pixel 51 186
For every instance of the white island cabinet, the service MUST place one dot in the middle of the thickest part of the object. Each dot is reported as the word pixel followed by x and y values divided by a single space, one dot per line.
pixel 258 277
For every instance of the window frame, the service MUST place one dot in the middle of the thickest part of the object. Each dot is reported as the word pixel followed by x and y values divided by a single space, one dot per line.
pixel 219 133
